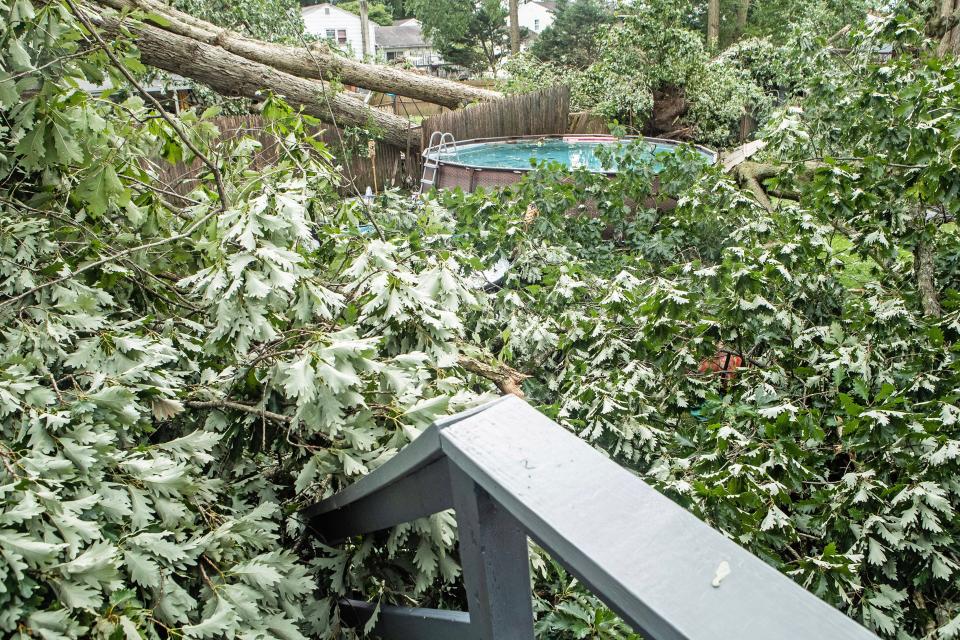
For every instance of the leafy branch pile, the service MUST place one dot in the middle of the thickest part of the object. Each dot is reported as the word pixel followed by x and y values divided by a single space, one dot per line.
pixel 648 67
pixel 179 375
pixel 833 452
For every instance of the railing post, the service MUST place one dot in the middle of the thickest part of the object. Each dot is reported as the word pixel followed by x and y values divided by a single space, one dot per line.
pixel 496 568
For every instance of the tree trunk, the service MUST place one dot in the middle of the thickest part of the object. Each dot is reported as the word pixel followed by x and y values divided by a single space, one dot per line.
pixel 514 27
pixel 229 74
pixel 924 266
pixel 364 30
pixel 713 24
pixel 743 12
pixel 315 61
pixel 947 26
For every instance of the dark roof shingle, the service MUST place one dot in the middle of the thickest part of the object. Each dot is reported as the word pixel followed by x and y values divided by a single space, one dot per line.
pixel 405 36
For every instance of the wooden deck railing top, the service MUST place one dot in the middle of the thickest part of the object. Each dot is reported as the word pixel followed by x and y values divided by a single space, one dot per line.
pixel 510 472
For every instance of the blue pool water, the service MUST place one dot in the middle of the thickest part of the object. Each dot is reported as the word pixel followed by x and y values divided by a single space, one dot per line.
pixel 519 154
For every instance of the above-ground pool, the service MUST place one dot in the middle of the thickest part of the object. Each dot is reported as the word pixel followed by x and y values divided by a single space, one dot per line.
pixel 501 161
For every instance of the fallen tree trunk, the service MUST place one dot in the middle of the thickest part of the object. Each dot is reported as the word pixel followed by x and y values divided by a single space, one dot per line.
pixel 316 61
pixel 230 74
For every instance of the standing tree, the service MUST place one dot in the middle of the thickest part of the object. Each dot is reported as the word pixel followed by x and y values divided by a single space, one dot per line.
pixel 514 27
pixel 467 33
pixel 947 27
pixel 713 24
pixel 573 38
pixel 382 14
pixel 743 13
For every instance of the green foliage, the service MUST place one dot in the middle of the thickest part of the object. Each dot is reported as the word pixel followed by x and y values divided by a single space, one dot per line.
pixel 379 13
pixel 640 62
pixel 777 20
pixel 831 455
pixel 467 33
pixel 565 611
pixel 572 40
pixel 524 73
pixel 271 20
pixel 180 374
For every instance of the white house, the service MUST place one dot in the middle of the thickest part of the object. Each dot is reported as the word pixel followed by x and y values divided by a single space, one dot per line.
pixel 340 27
pixel 536 15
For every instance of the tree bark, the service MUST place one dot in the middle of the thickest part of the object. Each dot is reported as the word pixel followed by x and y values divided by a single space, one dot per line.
pixel 743 11
pixel 713 24
pixel 364 29
pixel 947 26
pixel 924 267
pixel 231 74
pixel 514 27
pixel 506 378
pixel 316 61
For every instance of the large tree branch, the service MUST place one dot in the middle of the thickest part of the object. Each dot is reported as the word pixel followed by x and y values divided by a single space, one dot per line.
pixel 174 124
pixel 230 74
pixel 316 62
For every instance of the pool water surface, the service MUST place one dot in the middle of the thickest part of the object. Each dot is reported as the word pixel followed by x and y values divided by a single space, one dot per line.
pixel 518 155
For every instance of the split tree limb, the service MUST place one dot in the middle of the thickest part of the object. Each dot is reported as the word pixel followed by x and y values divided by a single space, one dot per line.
pixel 750 174
pixel 230 74
pixel 318 62
pixel 506 378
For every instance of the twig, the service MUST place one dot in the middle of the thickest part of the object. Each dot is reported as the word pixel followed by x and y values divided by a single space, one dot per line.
pixel 237 406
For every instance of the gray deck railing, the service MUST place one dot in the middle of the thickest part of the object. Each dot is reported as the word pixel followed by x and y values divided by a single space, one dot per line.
pixel 510 472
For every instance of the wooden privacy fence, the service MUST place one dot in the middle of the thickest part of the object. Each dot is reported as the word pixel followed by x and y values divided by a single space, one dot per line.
pixel 539 113
pixel 543 112
pixel 390 167
pixel 584 122
pixel 511 473
pixel 406 107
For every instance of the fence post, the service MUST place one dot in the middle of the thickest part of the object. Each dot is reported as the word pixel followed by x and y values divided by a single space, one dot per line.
pixel 496 568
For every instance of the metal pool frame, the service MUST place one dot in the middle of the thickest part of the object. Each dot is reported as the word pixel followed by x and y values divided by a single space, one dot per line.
pixel 469 177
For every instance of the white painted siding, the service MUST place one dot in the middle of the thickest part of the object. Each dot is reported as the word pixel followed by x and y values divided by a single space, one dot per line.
pixel 535 16
pixel 321 18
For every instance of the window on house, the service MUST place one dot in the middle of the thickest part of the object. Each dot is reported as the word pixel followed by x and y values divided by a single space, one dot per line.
pixel 326 11
pixel 536 25
pixel 391 55
pixel 331 34
pixel 341 36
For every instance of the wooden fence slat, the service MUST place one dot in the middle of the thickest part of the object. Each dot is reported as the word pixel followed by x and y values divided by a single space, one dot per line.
pixel 542 112
pixel 394 167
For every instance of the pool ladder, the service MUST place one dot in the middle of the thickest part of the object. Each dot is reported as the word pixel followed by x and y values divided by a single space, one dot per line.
pixel 442 142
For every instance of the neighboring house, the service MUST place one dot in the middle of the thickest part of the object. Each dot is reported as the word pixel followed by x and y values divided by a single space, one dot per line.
pixel 536 16
pixel 340 27
pixel 404 40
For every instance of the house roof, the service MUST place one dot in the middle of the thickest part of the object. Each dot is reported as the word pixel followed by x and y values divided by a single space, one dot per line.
pixel 404 36
pixel 549 5
pixel 315 8
pixel 405 21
